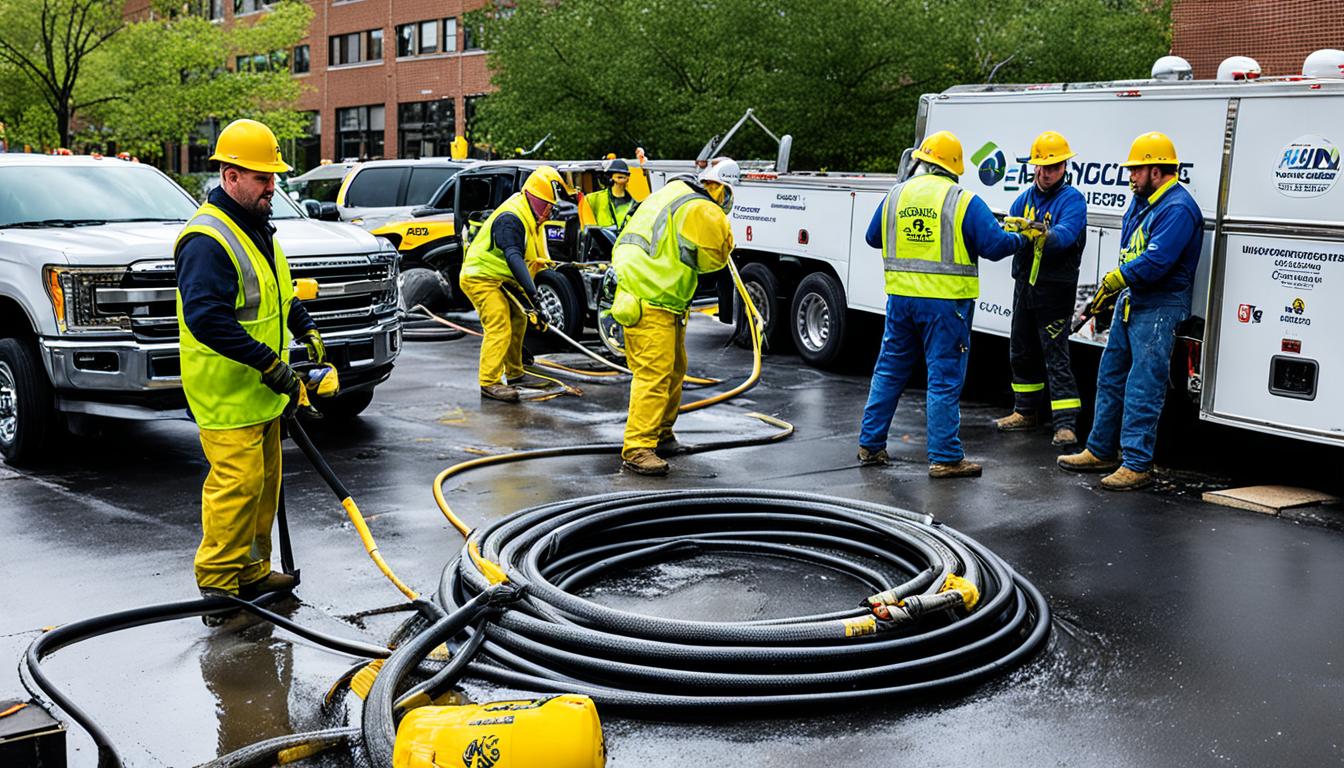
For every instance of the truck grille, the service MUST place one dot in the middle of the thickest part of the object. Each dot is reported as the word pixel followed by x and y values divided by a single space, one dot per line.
pixel 353 292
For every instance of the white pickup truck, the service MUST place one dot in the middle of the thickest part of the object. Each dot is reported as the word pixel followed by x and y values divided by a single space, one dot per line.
pixel 87 317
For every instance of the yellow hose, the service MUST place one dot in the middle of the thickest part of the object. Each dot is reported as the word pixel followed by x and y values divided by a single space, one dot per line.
pixel 371 546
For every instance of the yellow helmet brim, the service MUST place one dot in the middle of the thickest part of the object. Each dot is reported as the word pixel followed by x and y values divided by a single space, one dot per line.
pixel 1051 160
pixel 276 167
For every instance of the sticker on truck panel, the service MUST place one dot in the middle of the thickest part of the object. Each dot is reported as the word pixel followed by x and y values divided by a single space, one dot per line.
pixel 1307 166
pixel 415 234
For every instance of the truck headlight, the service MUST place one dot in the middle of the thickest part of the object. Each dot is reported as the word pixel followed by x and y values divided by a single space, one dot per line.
pixel 72 291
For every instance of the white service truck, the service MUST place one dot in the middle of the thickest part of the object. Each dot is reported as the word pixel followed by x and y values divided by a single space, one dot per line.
pixel 1260 157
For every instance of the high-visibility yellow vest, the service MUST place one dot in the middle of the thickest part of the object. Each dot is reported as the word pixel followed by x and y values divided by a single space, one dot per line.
pixel 605 212
pixel 224 393
pixel 485 259
pixel 923 252
pixel 655 260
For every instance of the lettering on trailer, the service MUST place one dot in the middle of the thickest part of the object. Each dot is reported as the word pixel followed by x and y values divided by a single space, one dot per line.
pixel 1249 313
pixel 1293 268
pixel 751 213
pixel 789 202
pixel 1295 313
pixel 1308 166
pixel 1104 185
pixel 995 309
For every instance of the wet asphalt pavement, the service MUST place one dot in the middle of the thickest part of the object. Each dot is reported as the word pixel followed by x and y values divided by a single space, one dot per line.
pixel 1184 634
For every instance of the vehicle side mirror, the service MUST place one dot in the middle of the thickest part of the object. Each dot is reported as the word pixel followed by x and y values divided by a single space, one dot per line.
pixel 312 208
pixel 782 160
pixel 427 210
pixel 328 212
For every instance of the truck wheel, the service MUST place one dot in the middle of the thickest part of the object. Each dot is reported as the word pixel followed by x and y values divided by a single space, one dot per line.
pixel 425 287
pixel 27 423
pixel 561 301
pixel 818 318
pixel 344 407
pixel 763 288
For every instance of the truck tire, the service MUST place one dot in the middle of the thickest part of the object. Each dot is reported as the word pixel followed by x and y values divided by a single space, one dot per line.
pixel 817 319
pixel 344 407
pixel 423 286
pixel 561 301
pixel 763 288
pixel 27 418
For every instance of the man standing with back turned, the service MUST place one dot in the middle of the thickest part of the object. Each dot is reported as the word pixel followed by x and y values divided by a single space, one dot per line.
pixel 235 315
pixel 931 232
pixel 1162 235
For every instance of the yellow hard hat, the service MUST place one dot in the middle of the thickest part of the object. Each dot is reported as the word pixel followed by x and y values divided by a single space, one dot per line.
pixel 251 145
pixel 943 149
pixel 1050 148
pixel 545 183
pixel 1151 148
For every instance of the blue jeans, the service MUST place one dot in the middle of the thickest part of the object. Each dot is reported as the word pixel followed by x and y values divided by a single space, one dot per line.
pixel 941 330
pixel 1132 384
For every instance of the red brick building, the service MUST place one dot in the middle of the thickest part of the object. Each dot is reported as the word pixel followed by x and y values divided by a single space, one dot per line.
pixel 384 78
pixel 1277 33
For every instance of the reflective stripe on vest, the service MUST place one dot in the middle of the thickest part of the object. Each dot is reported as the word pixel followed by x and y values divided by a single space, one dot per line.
pixel 687 250
pixel 246 273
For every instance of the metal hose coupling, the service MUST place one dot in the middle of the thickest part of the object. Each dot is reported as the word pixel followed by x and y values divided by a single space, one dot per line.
pixel 956 592
pixel 896 594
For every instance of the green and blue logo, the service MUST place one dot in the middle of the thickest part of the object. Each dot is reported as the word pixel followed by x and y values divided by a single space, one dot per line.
pixel 991 162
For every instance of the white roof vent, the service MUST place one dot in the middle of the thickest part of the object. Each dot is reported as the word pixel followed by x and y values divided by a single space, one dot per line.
pixel 1326 62
pixel 1172 68
pixel 1238 69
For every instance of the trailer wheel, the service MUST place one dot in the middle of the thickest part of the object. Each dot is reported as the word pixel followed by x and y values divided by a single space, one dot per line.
pixel 763 288
pixel 27 420
pixel 818 318
pixel 425 287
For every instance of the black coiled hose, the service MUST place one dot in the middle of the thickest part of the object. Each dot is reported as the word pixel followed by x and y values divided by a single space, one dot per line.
pixel 553 640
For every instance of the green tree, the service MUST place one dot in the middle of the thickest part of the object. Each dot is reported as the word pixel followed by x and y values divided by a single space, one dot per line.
pixel 50 43
pixel 843 76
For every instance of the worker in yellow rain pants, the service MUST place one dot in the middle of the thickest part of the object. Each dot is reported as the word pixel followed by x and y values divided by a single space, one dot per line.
pixel 505 254
pixel 679 233
pixel 236 315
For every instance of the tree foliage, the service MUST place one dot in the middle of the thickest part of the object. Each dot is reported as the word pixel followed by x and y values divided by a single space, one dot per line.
pixel 843 76
pixel 146 82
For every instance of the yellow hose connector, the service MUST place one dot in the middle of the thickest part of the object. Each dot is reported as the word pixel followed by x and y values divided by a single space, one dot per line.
pixel 970 596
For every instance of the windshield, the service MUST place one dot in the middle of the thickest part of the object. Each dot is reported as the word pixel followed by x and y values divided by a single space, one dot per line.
pixel 284 208
pixel 70 195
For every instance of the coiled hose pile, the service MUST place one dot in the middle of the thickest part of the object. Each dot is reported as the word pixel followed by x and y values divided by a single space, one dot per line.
pixel 922 576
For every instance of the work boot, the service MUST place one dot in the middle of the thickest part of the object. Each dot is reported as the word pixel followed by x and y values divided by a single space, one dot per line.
pixel 501 392
pixel 531 381
pixel 1126 479
pixel 1064 436
pixel 643 461
pixel 1016 422
pixel 670 446
pixel 943 470
pixel 223 617
pixel 878 458
pixel 275 581
pixel 1086 461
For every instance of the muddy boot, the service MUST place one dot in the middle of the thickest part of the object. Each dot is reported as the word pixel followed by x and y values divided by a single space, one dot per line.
pixel 1064 436
pixel 1126 479
pixel 1016 422
pixel 878 458
pixel 502 392
pixel 670 446
pixel 643 461
pixel 222 617
pixel 963 468
pixel 1086 461
pixel 531 381
pixel 275 581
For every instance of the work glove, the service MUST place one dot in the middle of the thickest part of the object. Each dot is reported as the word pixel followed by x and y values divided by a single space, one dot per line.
pixel 282 380
pixel 317 351
pixel 541 317
pixel 1014 223
pixel 1113 281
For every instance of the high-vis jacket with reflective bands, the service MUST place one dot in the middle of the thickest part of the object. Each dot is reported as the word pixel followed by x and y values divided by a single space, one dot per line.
pixel 486 259
pixel 677 234
pixel 608 211
pixel 923 252
pixel 223 393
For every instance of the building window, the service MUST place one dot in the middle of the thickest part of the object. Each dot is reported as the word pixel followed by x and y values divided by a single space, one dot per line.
pixel 422 38
pixel 359 132
pixel 425 129
pixel 450 34
pixel 471 36
pixel 242 7
pixel 302 59
pixel 356 47
pixel 275 61
pixel 306 151
pixel 210 9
